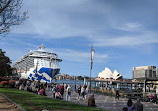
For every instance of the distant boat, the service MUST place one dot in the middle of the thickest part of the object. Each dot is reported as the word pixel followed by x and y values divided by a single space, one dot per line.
pixel 38 65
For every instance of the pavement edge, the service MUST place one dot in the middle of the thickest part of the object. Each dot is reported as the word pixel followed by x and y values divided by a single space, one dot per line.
pixel 13 102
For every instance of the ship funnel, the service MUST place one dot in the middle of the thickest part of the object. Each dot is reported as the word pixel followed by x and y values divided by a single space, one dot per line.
pixel 41 48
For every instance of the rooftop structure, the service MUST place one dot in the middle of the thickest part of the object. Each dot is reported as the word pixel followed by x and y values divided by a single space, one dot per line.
pixel 107 74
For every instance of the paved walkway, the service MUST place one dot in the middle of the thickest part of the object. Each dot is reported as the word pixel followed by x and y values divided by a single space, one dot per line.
pixel 107 102
pixel 103 102
pixel 5 105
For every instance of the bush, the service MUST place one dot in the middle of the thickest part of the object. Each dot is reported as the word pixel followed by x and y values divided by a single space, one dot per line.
pixel 4 83
pixel 4 78
pixel 12 83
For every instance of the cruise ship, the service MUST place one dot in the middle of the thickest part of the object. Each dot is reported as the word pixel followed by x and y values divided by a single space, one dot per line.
pixel 38 65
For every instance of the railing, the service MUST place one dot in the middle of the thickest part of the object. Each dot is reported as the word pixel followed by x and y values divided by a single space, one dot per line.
pixel 125 94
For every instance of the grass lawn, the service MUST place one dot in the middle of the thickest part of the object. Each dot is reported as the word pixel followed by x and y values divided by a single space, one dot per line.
pixel 32 102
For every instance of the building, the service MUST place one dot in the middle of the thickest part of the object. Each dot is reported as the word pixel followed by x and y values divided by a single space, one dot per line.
pixel 144 72
pixel 107 74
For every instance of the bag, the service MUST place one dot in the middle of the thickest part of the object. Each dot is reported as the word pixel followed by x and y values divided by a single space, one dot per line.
pixel 53 90
pixel 69 93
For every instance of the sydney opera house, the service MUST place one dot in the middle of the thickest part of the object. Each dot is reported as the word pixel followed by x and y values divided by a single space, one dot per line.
pixel 107 74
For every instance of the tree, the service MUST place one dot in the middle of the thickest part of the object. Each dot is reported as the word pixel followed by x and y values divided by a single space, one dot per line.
pixel 5 68
pixel 80 78
pixel 10 14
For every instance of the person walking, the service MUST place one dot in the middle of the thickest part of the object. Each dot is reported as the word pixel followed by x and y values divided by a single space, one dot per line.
pixel 130 105
pixel 68 93
pixel 79 92
pixel 60 86
pixel 75 88
pixel 87 93
pixel 83 92
pixel 62 91
pixel 138 106
pixel 54 90
pixel 155 98
pixel 117 94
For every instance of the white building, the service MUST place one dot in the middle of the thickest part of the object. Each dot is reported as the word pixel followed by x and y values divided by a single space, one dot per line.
pixel 107 74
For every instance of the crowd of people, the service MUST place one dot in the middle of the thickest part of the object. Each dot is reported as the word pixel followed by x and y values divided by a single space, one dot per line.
pixel 57 91
pixel 152 98
pixel 32 86
pixel 82 92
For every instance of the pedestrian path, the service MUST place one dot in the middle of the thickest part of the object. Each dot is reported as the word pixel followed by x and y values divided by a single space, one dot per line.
pixel 103 102
pixel 107 102
pixel 5 105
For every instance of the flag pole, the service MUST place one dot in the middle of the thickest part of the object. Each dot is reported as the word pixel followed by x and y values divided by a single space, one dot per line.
pixel 92 53
pixel 90 78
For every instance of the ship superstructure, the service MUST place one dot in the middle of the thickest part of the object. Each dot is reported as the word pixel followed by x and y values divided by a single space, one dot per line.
pixel 38 65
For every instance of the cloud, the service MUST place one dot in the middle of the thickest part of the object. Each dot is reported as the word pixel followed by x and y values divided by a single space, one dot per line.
pixel 56 19
pixel 104 23
pixel 79 56
pixel 129 27
pixel 146 37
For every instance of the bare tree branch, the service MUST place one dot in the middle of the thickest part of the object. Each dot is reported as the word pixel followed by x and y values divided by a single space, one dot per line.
pixel 7 4
pixel 10 14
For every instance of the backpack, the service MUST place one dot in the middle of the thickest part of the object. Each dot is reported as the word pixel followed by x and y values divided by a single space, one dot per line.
pixel 53 90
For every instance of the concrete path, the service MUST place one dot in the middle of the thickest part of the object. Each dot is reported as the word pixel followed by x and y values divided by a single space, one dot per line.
pixel 6 105
pixel 103 102
pixel 107 102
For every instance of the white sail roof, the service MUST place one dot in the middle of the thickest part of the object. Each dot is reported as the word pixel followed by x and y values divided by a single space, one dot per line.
pixel 116 75
pixel 107 74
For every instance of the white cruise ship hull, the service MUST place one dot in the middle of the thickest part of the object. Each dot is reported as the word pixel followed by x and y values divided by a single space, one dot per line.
pixel 43 74
pixel 38 65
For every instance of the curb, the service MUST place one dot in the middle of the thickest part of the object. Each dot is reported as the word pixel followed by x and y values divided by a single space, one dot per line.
pixel 8 99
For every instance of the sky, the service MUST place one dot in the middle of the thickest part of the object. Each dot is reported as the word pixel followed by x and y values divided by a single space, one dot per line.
pixel 124 34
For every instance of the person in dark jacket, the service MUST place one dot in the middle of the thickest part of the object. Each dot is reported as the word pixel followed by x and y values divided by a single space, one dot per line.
pixel 130 105
pixel 155 98
pixel 138 106
pixel 91 101
pixel 79 91
pixel 117 94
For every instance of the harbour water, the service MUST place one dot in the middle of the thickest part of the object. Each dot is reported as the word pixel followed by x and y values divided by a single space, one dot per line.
pixel 72 82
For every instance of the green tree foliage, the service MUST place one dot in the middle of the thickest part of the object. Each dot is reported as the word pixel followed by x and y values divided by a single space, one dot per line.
pixel 5 68
pixel 80 78
pixel 10 14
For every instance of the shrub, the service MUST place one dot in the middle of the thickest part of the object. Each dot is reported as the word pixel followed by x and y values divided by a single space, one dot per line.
pixel 4 78
pixel 12 83
pixel 3 83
